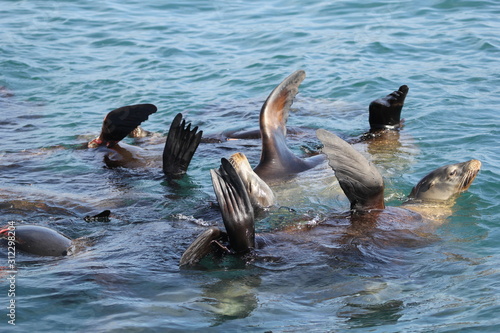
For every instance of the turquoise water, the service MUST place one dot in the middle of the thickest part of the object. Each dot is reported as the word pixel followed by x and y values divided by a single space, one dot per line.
pixel 65 64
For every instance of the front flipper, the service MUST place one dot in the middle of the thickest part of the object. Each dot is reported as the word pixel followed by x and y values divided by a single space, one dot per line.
pixel 202 246
pixel 180 147
pixel 360 180
pixel 120 122
pixel 236 207
pixel 277 160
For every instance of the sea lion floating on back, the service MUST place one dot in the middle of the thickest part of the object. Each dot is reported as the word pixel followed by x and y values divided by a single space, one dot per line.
pixel 277 161
pixel 359 179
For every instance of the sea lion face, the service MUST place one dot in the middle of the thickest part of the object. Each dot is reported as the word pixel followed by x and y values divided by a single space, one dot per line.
pixel 447 181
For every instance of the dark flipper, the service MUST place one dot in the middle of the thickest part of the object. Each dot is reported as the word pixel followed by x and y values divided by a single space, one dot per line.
pixel 180 147
pixel 385 113
pixel 101 217
pixel 360 180
pixel 202 246
pixel 236 208
pixel 277 160
pixel 120 122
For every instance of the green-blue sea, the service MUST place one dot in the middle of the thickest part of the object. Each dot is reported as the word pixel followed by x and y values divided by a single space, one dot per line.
pixel 65 64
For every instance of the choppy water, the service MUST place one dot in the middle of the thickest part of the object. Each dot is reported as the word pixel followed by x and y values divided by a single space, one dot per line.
pixel 67 63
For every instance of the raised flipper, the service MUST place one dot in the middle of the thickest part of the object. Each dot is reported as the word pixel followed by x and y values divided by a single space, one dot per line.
pixel 385 113
pixel 277 160
pixel 236 207
pixel 120 122
pixel 202 246
pixel 237 214
pixel 180 147
pixel 259 192
pixel 360 180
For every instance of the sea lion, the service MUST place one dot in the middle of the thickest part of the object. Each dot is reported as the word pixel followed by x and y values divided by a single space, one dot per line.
pixel 359 179
pixel 364 187
pixel 384 117
pixel 180 146
pixel 120 122
pixel 37 240
pixel 44 241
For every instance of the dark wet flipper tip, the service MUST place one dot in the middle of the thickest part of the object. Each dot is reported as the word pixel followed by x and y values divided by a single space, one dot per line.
pixel 236 207
pixel 122 121
pixel 385 113
pixel 101 217
pixel 404 89
pixel 180 147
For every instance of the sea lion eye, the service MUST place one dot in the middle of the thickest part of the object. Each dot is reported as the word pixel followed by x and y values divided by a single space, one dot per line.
pixel 453 173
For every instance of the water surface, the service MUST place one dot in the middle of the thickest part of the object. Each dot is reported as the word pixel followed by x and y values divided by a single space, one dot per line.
pixel 65 64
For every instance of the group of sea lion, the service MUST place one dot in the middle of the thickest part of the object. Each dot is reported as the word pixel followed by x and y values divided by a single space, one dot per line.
pixel 241 190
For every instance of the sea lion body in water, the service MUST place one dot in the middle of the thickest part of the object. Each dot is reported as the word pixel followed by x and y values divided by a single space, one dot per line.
pixel 359 179
pixel 38 240
pixel 180 146
pixel 44 241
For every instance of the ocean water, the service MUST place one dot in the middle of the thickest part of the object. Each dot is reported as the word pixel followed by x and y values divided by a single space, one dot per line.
pixel 65 64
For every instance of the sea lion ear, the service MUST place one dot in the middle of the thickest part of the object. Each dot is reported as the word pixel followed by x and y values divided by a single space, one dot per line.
pixel 423 186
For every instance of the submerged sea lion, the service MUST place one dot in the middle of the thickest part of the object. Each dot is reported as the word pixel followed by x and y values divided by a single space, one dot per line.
pixel 44 241
pixel 384 114
pixel 38 240
pixel 359 179
pixel 180 146
pixel 261 195
pixel 120 122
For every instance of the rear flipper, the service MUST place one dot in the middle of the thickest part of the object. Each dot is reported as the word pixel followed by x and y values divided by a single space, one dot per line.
pixel 120 122
pixel 385 113
pixel 236 207
pixel 180 147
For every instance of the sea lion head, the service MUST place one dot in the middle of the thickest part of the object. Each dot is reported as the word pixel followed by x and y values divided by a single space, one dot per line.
pixel 447 181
